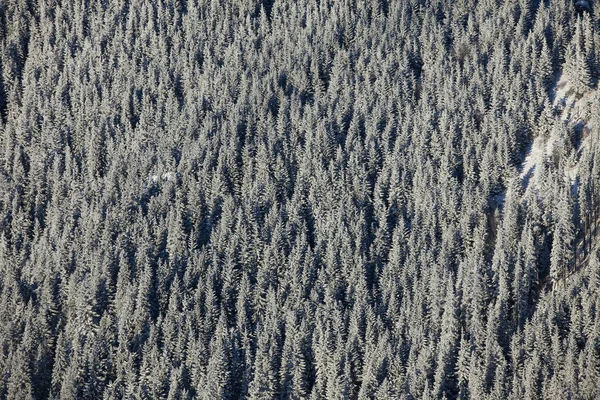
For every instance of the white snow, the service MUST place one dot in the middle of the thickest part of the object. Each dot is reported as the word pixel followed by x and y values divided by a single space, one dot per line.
pixel 535 157
pixel 156 178
pixel 562 91
pixel 167 176
pixel 572 109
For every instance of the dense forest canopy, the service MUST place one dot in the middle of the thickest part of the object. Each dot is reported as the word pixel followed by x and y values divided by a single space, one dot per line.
pixel 309 199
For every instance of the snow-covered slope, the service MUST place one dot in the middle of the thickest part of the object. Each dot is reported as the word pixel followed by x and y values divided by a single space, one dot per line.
pixel 571 110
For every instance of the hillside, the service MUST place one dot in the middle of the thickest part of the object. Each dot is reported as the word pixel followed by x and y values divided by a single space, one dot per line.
pixel 319 199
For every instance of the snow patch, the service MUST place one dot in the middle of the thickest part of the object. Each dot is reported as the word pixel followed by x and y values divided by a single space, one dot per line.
pixel 165 177
pixel 572 109
pixel 562 91
pixel 541 149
